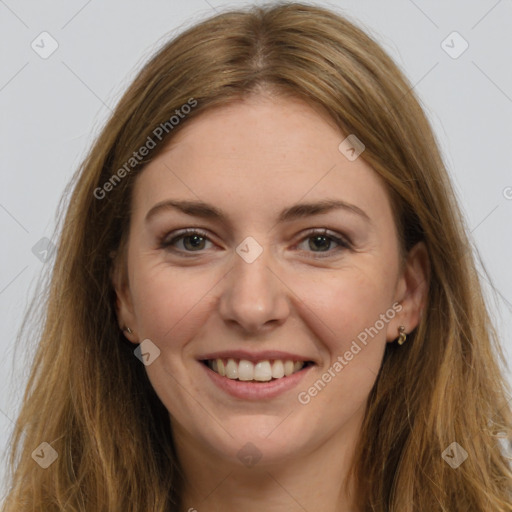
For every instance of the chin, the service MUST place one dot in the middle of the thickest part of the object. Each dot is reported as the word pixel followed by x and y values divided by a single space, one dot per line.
pixel 260 439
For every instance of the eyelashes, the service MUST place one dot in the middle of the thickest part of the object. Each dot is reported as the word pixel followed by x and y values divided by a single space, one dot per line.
pixel 194 241
pixel 322 236
pixel 186 234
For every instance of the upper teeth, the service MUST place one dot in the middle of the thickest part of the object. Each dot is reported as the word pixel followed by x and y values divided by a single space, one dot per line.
pixel 261 371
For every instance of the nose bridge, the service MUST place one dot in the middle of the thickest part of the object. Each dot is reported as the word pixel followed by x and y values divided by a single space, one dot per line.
pixel 253 296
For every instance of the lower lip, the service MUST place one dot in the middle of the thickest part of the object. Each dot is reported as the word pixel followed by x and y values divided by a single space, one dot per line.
pixel 256 390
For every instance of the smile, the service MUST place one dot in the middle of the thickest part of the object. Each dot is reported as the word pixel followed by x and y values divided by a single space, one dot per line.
pixel 259 371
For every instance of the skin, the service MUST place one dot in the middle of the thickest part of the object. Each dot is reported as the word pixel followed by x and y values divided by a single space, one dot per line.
pixel 252 159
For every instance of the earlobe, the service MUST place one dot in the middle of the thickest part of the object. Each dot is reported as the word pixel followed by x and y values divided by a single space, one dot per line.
pixel 412 291
pixel 123 303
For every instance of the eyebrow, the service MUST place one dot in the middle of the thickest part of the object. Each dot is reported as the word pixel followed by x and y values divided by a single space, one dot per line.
pixel 297 211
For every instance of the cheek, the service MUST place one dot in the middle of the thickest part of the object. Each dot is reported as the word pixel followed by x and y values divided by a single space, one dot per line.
pixel 169 302
pixel 347 303
pixel 349 314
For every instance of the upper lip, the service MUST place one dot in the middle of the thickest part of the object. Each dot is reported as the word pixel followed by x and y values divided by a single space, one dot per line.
pixel 254 356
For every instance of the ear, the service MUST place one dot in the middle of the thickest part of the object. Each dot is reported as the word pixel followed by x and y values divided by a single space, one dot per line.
pixel 124 306
pixel 411 291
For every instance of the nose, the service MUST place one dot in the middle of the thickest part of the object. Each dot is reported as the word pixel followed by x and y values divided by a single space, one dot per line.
pixel 254 298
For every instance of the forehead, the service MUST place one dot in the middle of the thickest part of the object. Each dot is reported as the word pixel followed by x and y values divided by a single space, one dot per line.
pixel 264 127
pixel 255 155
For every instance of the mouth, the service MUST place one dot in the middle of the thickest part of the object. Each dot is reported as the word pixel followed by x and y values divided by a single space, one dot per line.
pixel 255 371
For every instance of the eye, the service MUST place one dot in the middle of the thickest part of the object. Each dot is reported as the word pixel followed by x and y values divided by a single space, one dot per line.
pixel 320 241
pixel 193 240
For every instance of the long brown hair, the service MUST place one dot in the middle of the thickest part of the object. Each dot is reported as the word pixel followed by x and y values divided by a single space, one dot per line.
pixel 90 398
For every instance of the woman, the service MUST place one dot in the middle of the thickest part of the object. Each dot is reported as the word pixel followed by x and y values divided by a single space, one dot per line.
pixel 264 295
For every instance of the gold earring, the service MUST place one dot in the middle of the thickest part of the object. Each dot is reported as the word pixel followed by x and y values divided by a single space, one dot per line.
pixel 402 336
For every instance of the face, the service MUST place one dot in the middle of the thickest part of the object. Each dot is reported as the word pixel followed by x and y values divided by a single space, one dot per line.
pixel 234 283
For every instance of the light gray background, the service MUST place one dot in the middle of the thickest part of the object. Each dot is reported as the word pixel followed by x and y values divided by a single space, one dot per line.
pixel 51 109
